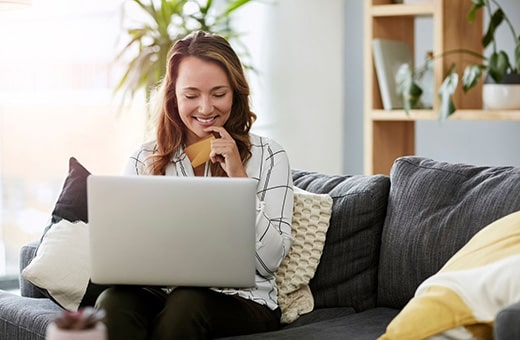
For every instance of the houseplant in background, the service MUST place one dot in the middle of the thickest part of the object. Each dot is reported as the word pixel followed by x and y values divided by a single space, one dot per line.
pixel 161 23
pixel 498 68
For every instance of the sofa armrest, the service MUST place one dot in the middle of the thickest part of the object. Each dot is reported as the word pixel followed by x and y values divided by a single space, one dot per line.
pixel 27 253
pixel 507 323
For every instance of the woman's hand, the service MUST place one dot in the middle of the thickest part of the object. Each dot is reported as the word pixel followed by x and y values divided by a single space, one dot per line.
pixel 224 151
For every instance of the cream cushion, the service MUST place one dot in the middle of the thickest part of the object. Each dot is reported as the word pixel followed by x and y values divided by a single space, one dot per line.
pixel 61 264
pixel 311 217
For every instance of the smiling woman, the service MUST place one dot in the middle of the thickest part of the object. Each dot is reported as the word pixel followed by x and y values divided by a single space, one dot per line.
pixel 53 106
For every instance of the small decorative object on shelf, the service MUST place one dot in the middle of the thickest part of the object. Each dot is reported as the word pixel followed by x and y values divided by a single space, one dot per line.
pixel 85 324
pixel 504 95
pixel 389 56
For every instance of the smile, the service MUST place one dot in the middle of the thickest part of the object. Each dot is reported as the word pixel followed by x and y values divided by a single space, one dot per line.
pixel 205 120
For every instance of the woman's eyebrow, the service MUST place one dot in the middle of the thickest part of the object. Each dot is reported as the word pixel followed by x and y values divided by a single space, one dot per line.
pixel 216 88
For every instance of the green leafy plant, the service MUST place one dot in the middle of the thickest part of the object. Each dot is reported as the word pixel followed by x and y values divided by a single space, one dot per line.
pixel 164 22
pixel 495 67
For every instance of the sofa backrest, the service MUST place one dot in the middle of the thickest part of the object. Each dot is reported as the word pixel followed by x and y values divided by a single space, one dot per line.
pixel 347 273
pixel 434 208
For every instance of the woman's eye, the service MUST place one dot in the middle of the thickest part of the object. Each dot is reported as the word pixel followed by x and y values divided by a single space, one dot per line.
pixel 190 96
pixel 219 95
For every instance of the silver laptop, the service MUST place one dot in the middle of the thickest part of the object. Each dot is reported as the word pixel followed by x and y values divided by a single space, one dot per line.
pixel 172 231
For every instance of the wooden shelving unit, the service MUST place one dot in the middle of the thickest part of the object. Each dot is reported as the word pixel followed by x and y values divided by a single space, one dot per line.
pixel 391 134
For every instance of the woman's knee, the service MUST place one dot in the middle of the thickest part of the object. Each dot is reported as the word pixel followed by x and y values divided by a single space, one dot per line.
pixel 117 298
pixel 129 311
pixel 185 315
pixel 188 303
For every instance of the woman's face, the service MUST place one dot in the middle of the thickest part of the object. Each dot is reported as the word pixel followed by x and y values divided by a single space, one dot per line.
pixel 204 96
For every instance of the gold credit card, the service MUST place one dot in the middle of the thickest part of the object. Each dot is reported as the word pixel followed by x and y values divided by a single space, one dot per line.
pixel 198 152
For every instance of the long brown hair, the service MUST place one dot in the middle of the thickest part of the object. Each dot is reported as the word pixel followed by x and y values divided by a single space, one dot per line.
pixel 171 131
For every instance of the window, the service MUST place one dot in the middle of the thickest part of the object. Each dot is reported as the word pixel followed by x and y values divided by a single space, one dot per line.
pixel 57 77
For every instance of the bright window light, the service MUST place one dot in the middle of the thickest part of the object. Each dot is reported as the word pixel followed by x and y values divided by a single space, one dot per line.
pixel 57 77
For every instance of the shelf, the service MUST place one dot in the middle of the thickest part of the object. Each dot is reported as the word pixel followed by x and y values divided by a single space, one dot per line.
pixel 392 134
pixel 402 10
pixel 401 115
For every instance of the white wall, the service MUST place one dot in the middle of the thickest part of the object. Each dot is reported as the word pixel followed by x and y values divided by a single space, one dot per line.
pixel 299 95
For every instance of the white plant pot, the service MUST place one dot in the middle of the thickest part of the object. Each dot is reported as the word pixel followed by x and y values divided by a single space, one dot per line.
pixel 501 96
pixel 97 333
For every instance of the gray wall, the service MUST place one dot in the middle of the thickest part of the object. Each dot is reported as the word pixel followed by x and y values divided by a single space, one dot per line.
pixel 475 142
pixel 354 87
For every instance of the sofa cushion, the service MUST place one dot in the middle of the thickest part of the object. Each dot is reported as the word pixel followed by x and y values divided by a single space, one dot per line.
pixel 310 221
pixel 23 318
pixel 72 201
pixel 462 300
pixel 347 273
pixel 61 264
pixel 71 206
pixel 506 322
pixel 366 325
pixel 434 208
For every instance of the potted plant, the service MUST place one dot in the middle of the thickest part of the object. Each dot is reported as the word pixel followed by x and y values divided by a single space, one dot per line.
pixel 163 23
pixel 498 68
pixel 84 324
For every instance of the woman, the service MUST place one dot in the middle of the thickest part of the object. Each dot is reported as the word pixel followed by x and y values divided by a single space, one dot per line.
pixel 205 97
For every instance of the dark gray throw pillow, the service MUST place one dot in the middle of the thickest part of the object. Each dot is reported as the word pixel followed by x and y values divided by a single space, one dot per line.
pixel 72 201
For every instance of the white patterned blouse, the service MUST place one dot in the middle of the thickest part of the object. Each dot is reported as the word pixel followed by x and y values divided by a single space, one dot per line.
pixel 269 166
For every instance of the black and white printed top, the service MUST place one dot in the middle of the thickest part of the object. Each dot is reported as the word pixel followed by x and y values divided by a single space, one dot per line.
pixel 269 165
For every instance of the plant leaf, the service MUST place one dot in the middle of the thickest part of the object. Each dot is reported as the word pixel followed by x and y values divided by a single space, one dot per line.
pixel 471 76
pixel 234 5
pixel 403 80
pixel 406 88
pixel 448 87
pixel 205 9
pixel 477 4
pixel 494 22
pixel 498 65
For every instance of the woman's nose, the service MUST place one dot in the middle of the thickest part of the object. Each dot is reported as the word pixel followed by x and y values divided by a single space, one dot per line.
pixel 205 105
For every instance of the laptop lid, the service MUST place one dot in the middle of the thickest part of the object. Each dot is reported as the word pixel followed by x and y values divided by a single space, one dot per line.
pixel 172 231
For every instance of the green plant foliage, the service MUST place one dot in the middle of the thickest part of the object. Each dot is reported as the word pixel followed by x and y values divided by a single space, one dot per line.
pixel 163 23
pixel 471 76
pixel 447 88
pixel 497 65
pixel 407 88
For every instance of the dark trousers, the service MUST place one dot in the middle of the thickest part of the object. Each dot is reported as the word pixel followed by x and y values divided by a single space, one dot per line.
pixel 186 313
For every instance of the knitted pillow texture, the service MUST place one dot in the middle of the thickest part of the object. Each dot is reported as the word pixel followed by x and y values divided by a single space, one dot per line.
pixel 311 217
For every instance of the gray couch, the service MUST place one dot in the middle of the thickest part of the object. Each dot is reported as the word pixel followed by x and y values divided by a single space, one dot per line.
pixel 387 235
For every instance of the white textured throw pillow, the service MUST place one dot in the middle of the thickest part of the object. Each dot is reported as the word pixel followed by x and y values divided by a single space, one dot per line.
pixel 311 217
pixel 61 263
